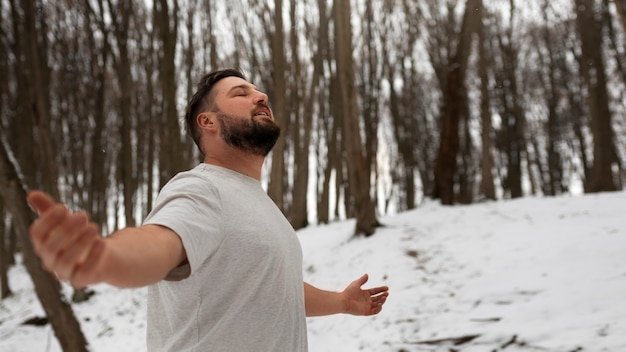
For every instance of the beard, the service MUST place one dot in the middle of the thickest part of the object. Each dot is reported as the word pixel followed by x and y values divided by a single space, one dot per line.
pixel 254 136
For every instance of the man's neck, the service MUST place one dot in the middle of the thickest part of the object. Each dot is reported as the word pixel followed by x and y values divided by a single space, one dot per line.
pixel 243 163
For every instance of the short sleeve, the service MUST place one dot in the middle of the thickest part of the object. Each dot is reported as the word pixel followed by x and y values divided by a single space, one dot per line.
pixel 190 206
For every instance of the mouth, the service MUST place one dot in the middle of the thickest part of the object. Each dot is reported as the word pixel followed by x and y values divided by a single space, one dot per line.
pixel 262 112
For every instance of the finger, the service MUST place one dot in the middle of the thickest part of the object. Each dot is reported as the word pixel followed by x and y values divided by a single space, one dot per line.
pixel 379 298
pixel 377 306
pixel 42 228
pixel 65 234
pixel 69 260
pixel 82 215
pixel 361 281
pixel 40 201
pixel 378 290
pixel 86 273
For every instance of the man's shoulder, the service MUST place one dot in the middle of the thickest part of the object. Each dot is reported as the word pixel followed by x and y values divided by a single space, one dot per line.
pixel 192 180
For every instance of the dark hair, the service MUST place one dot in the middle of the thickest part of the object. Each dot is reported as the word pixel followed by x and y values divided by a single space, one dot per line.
pixel 203 100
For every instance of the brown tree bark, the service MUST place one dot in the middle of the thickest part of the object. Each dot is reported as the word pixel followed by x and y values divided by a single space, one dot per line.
pixel 408 104
pixel 487 186
pixel 172 158
pixel 330 128
pixel 552 177
pixel 276 186
pixel 602 177
pixel 370 91
pixel 358 170
pixel 96 203
pixel 37 98
pixel 326 121
pixel 579 125
pixel 511 141
pixel 211 36
pixel 59 313
pixel 302 126
pixel 454 96
pixel 126 166
pixel 5 289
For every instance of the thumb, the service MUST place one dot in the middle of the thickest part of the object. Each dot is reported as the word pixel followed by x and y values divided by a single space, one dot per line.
pixel 40 201
pixel 362 280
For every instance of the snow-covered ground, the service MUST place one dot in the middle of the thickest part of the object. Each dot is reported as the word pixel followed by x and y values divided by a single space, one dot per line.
pixel 534 274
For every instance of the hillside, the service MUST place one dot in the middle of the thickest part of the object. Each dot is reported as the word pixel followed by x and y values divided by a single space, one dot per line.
pixel 534 274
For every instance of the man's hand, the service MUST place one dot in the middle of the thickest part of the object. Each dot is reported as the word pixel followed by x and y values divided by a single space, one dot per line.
pixel 68 244
pixel 364 301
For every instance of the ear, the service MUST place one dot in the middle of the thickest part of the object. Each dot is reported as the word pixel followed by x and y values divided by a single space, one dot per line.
pixel 207 121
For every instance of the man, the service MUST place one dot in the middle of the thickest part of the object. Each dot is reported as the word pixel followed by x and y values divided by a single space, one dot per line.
pixel 223 264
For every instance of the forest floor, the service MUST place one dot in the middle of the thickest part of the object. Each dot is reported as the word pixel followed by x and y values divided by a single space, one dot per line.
pixel 534 274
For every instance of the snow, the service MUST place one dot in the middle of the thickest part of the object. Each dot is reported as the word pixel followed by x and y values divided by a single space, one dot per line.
pixel 533 274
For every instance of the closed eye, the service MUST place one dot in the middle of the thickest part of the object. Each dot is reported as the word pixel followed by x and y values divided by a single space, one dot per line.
pixel 242 90
pixel 239 92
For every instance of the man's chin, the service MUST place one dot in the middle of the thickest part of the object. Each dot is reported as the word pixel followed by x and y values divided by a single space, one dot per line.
pixel 264 119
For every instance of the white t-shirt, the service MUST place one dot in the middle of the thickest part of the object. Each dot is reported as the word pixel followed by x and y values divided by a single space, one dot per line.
pixel 243 288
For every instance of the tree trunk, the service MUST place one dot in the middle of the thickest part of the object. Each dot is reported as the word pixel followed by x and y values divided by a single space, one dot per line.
pixel 602 177
pixel 358 170
pixel 38 98
pixel 59 313
pixel 406 133
pixel 276 187
pixel 211 36
pixel 172 157
pixel 122 66
pixel 370 92
pixel 298 212
pixel 327 127
pixel 553 181
pixel 487 186
pixel 454 97
pixel 511 140
pixel 5 290
pixel 96 203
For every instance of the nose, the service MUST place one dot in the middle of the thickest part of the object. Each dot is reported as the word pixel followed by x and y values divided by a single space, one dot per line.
pixel 260 98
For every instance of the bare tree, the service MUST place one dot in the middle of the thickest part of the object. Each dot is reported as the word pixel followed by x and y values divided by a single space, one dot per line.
pixel 303 120
pixel 550 51
pixel 358 170
pixel 37 95
pixel 454 98
pixel 58 311
pixel 510 136
pixel 173 157
pixel 407 103
pixel 276 187
pixel 327 125
pixel 487 186
pixel 97 182
pixel 602 177
pixel 126 166
pixel 369 87
pixel 5 290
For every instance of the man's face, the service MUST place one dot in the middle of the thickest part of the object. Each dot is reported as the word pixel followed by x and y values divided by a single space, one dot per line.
pixel 246 120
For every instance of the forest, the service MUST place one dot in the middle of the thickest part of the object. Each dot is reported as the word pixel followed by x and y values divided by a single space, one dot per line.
pixel 382 103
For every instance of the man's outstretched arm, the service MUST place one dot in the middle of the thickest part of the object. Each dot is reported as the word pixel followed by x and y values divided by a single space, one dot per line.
pixel 70 246
pixel 352 300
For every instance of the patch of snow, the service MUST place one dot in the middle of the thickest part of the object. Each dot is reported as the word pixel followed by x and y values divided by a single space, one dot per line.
pixel 533 274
